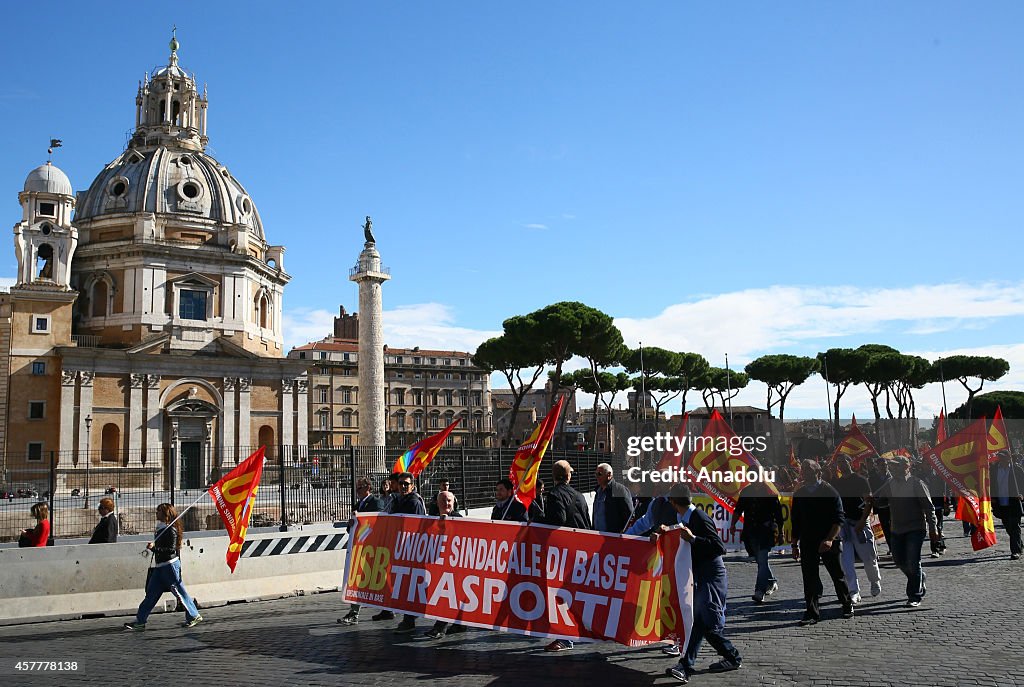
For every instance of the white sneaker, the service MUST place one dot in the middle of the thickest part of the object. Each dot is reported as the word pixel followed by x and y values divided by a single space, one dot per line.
pixel 855 598
pixel 771 590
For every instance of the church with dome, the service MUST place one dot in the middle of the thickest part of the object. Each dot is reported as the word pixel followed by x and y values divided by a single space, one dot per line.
pixel 145 325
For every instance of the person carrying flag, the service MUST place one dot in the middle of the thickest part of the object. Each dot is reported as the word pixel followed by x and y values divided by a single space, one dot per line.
pixel 761 510
pixel 367 502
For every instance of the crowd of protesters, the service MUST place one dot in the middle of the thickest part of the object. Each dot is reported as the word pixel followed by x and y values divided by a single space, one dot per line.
pixel 830 516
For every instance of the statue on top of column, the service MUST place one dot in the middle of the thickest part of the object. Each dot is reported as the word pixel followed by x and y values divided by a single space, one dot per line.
pixel 368 230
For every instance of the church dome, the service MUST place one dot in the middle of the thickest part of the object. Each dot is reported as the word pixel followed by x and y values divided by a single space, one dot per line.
pixel 164 181
pixel 48 179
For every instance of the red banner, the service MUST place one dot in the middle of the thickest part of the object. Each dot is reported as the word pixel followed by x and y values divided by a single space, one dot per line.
pixel 529 579
pixel 998 439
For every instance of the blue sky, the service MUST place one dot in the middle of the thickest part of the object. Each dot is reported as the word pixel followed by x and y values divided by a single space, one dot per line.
pixel 746 179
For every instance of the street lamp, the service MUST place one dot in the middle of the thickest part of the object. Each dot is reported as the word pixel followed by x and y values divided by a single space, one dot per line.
pixel 88 456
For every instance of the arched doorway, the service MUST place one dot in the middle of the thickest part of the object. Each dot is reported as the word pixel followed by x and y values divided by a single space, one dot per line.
pixel 266 438
pixel 191 442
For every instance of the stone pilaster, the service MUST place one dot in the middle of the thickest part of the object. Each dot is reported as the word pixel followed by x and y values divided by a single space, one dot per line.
pixel 154 421
pixel 228 452
pixel 68 380
pixel 136 421
pixel 84 411
pixel 245 413
pixel 287 416
pixel 302 409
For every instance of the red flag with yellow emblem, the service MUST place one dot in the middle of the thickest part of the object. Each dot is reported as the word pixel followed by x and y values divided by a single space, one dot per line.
pixel 998 440
pixel 962 461
pixel 525 465
pixel 854 446
pixel 233 497
pixel 719 456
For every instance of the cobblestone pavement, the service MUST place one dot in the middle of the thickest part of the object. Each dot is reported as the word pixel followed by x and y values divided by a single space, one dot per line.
pixel 967 632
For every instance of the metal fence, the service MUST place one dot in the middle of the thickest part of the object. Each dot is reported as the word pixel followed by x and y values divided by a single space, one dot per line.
pixel 309 485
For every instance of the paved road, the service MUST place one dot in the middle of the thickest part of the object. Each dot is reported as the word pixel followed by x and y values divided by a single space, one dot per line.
pixel 968 632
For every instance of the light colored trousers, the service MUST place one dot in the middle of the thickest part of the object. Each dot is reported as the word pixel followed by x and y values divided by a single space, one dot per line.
pixel 852 545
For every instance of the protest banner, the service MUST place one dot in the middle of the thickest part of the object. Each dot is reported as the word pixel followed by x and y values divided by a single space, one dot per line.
pixel 528 579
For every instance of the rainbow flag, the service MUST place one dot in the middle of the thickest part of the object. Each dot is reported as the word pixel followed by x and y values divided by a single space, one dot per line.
pixel 422 452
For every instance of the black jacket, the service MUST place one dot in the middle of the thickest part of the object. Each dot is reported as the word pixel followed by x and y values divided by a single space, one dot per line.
pixel 1014 509
pixel 371 504
pixel 106 530
pixel 165 544
pixel 618 506
pixel 566 507
pixel 407 504
pixel 514 511
pixel 707 545
pixel 432 508
pixel 815 512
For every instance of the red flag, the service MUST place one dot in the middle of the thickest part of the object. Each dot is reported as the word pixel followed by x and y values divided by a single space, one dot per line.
pixel 998 439
pixel 525 465
pixel 720 451
pixel 940 431
pixel 962 461
pixel 854 446
pixel 422 452
pixel 793 462
pixel 233 497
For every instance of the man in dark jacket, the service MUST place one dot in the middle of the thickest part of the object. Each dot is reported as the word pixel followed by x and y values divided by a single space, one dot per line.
pixel 106 528
pixel 761 511
pixel 366 502
pixel 613 503
pixel 1006 489
pixel 565 507
pixel 817 515
pixel 444 486
pixel 408 502
pixel 710 586
pixel 506 507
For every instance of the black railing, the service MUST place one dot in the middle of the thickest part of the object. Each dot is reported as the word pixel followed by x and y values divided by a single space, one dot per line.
pixel 310 485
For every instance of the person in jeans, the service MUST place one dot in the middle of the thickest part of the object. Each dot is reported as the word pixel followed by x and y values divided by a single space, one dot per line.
pixel 912 516
pixel 855 534
pixel 166 571
pixel 710 586
pixel 761 510
pixel 817 518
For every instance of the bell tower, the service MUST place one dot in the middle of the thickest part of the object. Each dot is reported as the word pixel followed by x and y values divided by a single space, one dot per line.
pixel 45 239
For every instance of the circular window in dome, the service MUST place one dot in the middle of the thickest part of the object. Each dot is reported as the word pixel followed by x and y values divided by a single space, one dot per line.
pixel 118 187
pixel 190 190
pixel 184 160
pixel 244 205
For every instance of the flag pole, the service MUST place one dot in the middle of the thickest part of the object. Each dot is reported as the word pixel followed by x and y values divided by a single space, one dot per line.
pixel 828 397
pixel 188 508
pixel 728 387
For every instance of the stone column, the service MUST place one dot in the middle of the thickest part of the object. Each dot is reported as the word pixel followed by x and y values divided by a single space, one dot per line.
pixel 136 423
pixel 84 411
pixel 370 275
pixel 68 380
pixel 302 408
pixel 244 413
pixel 154 422
pixel 228 453
pixel 287 416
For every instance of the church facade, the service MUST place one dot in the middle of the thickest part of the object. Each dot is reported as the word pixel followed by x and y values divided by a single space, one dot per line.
pixel 144 330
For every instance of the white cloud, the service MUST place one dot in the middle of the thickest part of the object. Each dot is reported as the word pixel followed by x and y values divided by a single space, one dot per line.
pixel 535 226
pixel 427 325
pixel 744 323
pixel 7 282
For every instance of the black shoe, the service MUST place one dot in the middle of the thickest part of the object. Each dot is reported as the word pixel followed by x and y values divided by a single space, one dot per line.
pixel 405 628
pixel 384 615
pixel 725 665
pixel 808 620
pixel 848 612
pixel 350 619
